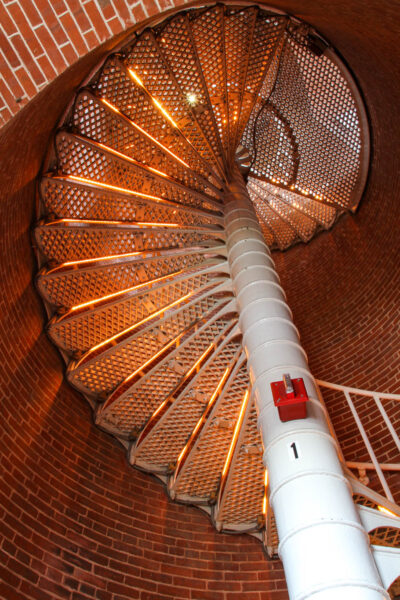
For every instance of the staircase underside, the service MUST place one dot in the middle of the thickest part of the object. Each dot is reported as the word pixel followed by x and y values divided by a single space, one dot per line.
pixel 131 241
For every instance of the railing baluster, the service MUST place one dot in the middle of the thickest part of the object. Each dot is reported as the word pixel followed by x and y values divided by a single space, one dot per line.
pixel 371 452
pixel 387 421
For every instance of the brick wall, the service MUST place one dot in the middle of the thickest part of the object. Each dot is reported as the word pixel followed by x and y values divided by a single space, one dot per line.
pixel 39 39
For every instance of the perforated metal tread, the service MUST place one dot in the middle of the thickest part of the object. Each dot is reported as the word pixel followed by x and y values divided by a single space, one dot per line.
pixel 131 242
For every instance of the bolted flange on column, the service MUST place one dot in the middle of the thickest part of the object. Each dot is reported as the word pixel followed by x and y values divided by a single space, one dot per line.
pixel 323 546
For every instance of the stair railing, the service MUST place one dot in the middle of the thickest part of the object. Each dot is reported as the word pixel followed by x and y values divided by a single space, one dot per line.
pixel 374 465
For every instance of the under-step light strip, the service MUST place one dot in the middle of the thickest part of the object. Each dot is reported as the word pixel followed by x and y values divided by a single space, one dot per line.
pixel 114 188
pixel 136 126
pixel 235 433
pixel 128 224
pixel 150 284
pixel 387 511
pixel 265 499
pixel 156 102
pixel 73 263
pixel 151 359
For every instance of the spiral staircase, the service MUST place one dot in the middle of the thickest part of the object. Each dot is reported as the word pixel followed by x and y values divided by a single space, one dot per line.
pixel 132 243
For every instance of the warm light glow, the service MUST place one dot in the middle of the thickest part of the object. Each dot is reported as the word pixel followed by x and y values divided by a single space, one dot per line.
pixel 91 260
pixel 156 102
pixel 265 503
pixel 387 511
pixel 155 413
pixel 114 108
pixel 90 222
pixel 191 98
pixel 164 112
pixel 235 433
pixel 198 361
pixel 120 223
pixel 114 188
pixel 144 224
pixel 203 417
pixel 121 292
pixel 158 172
pixel 135 77
pixel 265 499
pixel 139 323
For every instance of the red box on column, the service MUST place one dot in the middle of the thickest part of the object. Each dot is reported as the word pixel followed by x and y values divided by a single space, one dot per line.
pixel 290 397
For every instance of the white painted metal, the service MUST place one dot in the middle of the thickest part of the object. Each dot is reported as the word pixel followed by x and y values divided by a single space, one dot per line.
pixel 323 546
pixel 371 519
pixel 387 421
pixel 369 447
pixel 388 561
pixel 377 397
pixel 370 467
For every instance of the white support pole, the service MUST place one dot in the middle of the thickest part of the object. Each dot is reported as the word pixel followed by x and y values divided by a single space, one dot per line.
pixel 323 546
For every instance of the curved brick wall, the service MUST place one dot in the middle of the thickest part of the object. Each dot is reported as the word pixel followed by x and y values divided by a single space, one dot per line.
pixel 75 521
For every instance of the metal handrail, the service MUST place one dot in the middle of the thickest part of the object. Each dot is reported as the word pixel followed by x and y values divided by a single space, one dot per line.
pixel 377 397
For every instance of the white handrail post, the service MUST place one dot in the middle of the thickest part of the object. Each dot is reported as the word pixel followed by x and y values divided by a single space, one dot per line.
pixel 367 443
pixel 387 421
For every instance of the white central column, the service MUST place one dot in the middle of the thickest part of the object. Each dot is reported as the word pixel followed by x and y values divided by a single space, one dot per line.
pixel 324 549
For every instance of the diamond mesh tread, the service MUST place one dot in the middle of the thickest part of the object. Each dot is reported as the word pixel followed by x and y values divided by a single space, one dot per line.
pixel 321 213
pixel 301 223
pixel 147 61
pixel 238 35
pixel 268 31
pixel 179 51
pixel 207 30
pixel 80 199
pixel 167 438
pixel 131 239
pixel 283 232
pixel 84 328
pixel 312 107
pixel 84 158
pixel 133 406
pixel 103 123
pixel 243 493
pixel 201 474
pixel 116 85
pixel 79 240
pixel 102 369
pixel 72 284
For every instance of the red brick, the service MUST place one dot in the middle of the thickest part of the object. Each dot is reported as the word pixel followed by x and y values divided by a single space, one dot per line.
pixel 123 12
pixel 115 25
pixel 91 39
pixel 80 15
pixel 46 67
pixel 69 53
pixel 6 22
pixel 25 29
pixel 28 61
pixel 107 10
pixel 75 35
pixel 97 20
